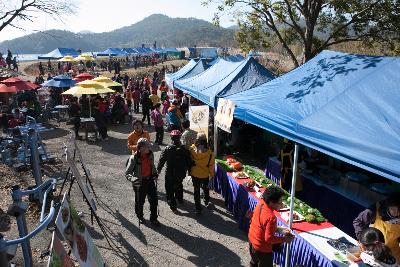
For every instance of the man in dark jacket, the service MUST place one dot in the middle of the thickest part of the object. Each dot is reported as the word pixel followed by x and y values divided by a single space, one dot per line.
pixel 146 106
pixel 178 160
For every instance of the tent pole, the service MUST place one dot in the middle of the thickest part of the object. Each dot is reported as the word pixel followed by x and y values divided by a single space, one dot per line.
pixel 215 136
pixel 292 194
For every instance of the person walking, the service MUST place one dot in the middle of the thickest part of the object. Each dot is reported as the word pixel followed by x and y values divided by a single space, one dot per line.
pixel 158 123
pixel 75 113
pixel 178 162
pixel 136 99
pixel 147 104
pixel 189 136
pixel 263 228
pixel 137 133
pixel 142 173
pixel 174 116
pixel 202 170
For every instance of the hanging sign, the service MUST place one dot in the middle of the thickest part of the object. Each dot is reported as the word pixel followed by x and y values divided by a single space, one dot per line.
pixel 199 119
pixel 224 116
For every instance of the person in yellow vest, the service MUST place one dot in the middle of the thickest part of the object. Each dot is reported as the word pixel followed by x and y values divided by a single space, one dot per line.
pixel 286 158
pixel 385 216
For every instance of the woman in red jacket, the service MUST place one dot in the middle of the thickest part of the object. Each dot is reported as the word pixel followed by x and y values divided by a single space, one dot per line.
pixel 263 228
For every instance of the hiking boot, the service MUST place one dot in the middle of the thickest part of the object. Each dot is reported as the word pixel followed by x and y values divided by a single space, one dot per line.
pixel 155 223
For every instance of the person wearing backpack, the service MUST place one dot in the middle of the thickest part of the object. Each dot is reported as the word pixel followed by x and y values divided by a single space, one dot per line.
pixel 141 171
pixel 202 170
pixel 178 162
pixel 263 228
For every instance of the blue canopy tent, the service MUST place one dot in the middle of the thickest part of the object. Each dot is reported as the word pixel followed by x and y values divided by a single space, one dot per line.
pixel 225 78
pixel 344 105
pixel 209 53
pixel 60 81
pixel 59 53
pixel 116 52
pixel 130 51
pixel 141 50
pixel 200 66
pixel 232 58
pixel 171 77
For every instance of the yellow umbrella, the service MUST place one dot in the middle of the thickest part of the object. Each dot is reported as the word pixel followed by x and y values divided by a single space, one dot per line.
pixel 67 59
pixel 84 57
pixel 100 88
pixel 106 82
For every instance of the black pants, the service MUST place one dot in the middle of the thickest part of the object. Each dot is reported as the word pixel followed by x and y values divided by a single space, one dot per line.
pixel 136 107
pixel 159 134
pixel 203 183
pixel 101 125
pixel 146 113
pixel 260 259
pixel 77 125
pixel 147 188
pixel 174 190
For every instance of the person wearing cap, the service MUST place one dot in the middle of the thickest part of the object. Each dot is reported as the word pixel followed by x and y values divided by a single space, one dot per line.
pixel 158 123
pixel 202 170
pixel 263 228
pixel 178 162
pixel 137 133
pixel 175 116
pixel 142 172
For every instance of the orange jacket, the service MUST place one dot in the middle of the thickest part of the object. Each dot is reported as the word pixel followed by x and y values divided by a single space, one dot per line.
pixel 133 137
pixel 263 227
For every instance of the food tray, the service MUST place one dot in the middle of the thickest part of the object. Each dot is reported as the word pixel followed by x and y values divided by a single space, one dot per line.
pixel 285 216
pixel 240 175
pixel 284 208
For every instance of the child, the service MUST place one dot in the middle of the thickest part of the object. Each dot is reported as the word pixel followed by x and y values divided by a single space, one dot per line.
pixel 374 252
pixel 166 105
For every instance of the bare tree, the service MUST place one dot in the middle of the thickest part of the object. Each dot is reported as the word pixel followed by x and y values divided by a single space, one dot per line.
pixel 12 11
pixel 315 25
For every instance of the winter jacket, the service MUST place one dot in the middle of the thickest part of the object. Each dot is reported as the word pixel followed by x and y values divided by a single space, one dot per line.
pixel 174 115
pixel 134 169
pixel 178 161
pixel 263 227
pixel 204 163
pixel 134 137
pixel 157 118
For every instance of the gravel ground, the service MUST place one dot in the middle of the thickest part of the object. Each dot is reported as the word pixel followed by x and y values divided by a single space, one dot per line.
pixel 184 239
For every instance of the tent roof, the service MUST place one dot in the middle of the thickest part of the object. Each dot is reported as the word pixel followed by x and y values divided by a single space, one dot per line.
pixel 344 105
pixel 130 50
pixel 59 53
pixel 112 52
pixel 200 66
pixel 171 77
pixel 225 78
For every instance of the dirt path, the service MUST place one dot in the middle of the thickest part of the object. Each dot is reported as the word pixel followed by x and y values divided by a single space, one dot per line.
pixel 213 239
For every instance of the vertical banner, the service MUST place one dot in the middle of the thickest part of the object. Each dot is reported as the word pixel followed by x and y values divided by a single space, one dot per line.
pixel 224 116
pixel 58 257
pixel 199 119
pixel 75 232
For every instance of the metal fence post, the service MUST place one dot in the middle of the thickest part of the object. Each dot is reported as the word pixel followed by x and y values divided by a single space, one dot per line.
pixel 35 161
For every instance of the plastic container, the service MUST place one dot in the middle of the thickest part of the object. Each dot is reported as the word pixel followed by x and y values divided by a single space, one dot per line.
pixel 353 254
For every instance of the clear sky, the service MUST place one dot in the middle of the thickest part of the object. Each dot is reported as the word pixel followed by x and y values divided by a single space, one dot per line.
pixel 106 15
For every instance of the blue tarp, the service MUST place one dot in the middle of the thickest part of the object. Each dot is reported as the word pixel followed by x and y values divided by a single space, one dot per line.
pixel 130 51
pixel 60 81
pixel 112 52
pixel 233 58
pixel 59 53
pixel 225 78
pixel 171 77
pixel 344 105
pixel 208 53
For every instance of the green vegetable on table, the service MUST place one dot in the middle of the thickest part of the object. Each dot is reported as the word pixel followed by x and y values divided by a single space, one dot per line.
pixel 310 214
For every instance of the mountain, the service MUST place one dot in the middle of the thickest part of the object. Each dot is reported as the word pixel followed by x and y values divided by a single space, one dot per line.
pixel 166 31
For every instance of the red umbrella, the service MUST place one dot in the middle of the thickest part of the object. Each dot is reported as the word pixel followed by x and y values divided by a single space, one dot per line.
pixel 19 84
pixel 7 89
pixel 83 77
